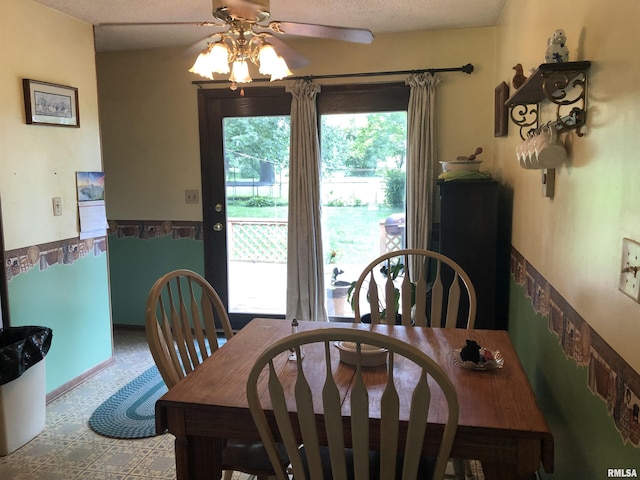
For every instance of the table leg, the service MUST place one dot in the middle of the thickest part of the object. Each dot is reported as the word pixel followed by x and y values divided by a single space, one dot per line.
pixel 497 471
pixel 198 458
pixel 527 461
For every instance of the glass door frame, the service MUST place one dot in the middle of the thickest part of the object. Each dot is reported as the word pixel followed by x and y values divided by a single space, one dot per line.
pixel 213 106
pixel 216 104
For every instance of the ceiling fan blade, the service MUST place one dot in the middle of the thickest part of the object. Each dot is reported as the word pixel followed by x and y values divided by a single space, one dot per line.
pixel 355 35
pixel 151 24
pixel 293 58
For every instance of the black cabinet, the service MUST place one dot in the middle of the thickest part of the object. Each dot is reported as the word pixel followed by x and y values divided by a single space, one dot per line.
pixel 468 235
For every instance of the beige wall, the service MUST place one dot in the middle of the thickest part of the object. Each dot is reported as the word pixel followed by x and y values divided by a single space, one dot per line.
pixel 150 125
pixel 575 239
pixel 39 162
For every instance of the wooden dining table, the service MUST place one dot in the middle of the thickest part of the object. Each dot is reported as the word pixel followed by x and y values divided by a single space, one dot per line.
pixel 500 423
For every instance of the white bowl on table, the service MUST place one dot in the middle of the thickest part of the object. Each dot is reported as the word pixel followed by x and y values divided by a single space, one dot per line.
pixel 370 355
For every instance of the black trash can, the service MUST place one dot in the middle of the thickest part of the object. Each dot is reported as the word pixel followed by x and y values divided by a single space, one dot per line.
pixel 22 384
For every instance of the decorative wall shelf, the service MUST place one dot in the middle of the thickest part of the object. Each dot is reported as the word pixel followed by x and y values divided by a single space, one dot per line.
pixel 562 84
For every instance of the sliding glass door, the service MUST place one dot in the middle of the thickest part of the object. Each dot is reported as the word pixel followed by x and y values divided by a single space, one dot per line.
pixel 244 156
pixel 363 144
pixel 363 196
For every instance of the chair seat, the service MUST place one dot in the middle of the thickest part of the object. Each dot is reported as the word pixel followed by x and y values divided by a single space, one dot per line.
pixel 252 456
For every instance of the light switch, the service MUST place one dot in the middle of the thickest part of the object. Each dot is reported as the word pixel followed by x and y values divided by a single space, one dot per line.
pixel 57 206
pixel 192 196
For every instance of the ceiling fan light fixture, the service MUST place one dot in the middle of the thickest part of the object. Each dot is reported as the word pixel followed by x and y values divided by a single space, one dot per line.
pixel 240 72
pixel 201 65
pixel 280 70
pixel 230 54
pixel 219 58
pixel 248 38
pixel 267 57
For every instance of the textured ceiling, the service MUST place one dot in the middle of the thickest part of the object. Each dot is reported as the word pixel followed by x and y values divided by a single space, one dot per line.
pixel 376 15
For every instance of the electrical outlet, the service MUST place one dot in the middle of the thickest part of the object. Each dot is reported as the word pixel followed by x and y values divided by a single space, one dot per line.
pixel 630 269
pixel 57 206
pixel 191 196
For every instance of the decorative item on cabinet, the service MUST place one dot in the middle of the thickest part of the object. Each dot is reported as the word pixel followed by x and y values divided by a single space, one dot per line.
pixel 462 164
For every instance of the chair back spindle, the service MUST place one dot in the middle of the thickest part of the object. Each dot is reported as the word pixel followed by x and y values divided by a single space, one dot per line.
pixel 420 287
pixel 183 314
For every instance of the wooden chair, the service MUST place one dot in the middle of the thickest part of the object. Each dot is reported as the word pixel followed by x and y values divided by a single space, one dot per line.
pixel 399 286
pixel 296 392
pixel 183 314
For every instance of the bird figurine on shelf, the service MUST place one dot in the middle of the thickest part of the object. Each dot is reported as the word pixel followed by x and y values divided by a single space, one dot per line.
pixel 518 78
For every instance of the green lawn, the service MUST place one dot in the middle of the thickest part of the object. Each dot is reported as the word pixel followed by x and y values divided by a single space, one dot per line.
pixel 353 232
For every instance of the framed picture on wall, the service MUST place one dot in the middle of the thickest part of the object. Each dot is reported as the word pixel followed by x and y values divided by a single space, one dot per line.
pixel 501 111
pixel 50 104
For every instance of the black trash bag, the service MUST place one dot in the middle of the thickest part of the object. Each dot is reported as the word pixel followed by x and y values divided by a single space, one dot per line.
pixel 21 348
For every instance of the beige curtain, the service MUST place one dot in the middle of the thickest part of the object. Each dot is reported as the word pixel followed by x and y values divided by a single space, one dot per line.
pixel 421 158
pixel 305 272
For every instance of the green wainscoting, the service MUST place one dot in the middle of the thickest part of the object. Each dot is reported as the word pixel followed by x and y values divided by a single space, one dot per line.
pixel 587 442
pixel 72 300
pixel 136 263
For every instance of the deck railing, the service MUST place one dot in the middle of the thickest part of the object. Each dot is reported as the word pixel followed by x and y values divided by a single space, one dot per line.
pixel 257 240
pixel 265 240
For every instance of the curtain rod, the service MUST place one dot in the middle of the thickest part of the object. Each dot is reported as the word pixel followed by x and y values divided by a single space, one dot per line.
pixel 468 68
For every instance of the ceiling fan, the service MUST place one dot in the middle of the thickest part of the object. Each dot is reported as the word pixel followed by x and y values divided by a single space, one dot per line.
pixel 249 36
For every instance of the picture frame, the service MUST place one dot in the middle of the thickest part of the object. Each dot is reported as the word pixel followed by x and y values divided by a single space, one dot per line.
pixel 501 117
pixel 50 104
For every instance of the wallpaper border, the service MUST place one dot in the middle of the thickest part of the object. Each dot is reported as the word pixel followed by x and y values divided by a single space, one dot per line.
pixel 610 377
pixel 147 229
pixel 61 252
